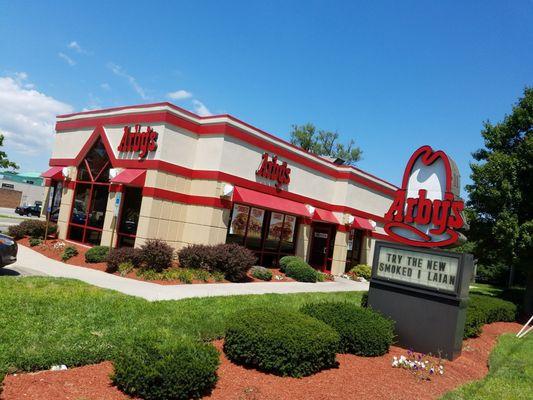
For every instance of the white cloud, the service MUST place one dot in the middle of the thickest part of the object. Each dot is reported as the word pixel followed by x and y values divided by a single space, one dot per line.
pixel 117 70
pixel 69 60
pixel 179 95
pixel 27 118
pixel 76 47
pixel 200 108
pixel 105 86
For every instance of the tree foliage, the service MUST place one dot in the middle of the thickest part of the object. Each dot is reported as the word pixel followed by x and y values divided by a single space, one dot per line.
pixel 4 161
pixel 324 143
pixel 501 193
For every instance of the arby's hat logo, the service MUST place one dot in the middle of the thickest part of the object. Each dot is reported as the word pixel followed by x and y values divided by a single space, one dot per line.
pixel 427 210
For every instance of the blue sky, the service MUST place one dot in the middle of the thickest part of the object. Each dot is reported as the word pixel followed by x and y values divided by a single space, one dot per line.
pixel 392 75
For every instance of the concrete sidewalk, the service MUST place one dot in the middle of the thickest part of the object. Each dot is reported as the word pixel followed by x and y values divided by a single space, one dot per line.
pixel 37 263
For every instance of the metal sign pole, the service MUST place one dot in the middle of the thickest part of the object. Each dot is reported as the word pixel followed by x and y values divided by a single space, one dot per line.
pixel 118 198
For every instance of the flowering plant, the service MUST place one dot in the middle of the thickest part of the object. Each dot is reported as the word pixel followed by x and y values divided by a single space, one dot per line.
pixel 423 366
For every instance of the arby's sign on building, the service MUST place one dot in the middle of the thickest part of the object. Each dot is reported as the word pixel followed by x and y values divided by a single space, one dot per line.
pixel 137 141
pixel 427 209
pixel 270 169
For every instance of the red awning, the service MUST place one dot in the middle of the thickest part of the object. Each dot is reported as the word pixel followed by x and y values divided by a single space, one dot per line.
pixel 362 223
pixel 247 196
pixel 325 216
pixel 53 173
pixel 130 177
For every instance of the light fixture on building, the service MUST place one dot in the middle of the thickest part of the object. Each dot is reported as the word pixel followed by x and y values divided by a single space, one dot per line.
pixel 227 190
pixel 373 223
pixel 113 172
pixel 350 219
pixel 66 172
pixel 310 208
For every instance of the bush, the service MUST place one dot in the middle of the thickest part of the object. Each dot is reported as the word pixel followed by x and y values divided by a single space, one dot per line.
pixel 181 369
pixel 362 331
pixel 281 342
pixel 262 273
pixel 301 271
pixel 32 228
pixel 285 260
pixel 125 268
pixel 233 260
pixel 362 271
pixel 122 255
pixel 156 255
pixel 96 254
pixel 484 309
pixel 35 242
pixel 69 252
pixel 364 300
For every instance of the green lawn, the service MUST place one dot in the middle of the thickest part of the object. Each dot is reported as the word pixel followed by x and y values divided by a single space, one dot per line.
pixel 48 321
pixel 510 376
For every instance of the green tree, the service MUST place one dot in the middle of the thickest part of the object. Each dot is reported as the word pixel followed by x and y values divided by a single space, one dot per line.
pixel 501 195
pixel 324 143
pixel 4 161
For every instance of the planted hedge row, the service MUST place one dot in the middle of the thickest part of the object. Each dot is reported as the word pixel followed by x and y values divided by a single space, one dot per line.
pixel 296 268
pixel 31 228
pixel 484 309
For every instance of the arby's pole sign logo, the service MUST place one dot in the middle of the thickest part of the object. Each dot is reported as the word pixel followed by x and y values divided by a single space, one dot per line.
pixel 137 141
pixel 427 210
pixel 271 170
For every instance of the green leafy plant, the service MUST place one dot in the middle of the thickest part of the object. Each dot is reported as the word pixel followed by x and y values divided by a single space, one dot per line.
pixel 32 228
pixel 282 342
pixel 484 309
pixel 261 273
pixel 97 254
pixel 156 255
pixel 35 242
pixel 301 271
pixel 125 268
pixel 285 260
pixel 178 369
pixel 362 331
pixel 362 271
pixel 217 276
pixel 69 252
pixel 201 274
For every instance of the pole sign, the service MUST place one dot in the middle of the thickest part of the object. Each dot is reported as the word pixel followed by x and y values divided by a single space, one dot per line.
pixel 422 288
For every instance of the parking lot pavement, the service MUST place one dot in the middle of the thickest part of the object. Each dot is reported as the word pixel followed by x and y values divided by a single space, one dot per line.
pixel 17 270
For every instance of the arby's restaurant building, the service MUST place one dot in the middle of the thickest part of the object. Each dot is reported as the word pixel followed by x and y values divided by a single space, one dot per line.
pixel 124 175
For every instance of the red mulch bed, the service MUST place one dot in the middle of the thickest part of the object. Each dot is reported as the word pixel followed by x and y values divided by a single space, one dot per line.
pixel 49 251
pixel 356 377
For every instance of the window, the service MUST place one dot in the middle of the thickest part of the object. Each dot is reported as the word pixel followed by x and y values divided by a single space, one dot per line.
pixel 90 197
pixel 270 234
pixel 355 243
pixel 129 216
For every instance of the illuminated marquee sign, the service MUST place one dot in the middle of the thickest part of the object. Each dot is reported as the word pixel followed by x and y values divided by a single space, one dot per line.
pixel 137 141
pixel 427 210
pixel 431 271
pixel 271 170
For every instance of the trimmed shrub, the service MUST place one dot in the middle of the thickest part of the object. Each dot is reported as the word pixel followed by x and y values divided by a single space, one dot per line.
pixel 484 309
pixel 261 273
pixel 35 242
pixel 180 369
pixel 31 227
pixel 362 271
pixel 364 300
pixel 301 271
pixel 96 254
pixel 285 260
pixel 121 255
pixel 233 260
pixel 362 331
pixel 69 252
pixel 281 342
pixel 156 255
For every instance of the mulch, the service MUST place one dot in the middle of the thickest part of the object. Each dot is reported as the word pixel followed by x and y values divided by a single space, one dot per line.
pixel 49 251
pixel 356 377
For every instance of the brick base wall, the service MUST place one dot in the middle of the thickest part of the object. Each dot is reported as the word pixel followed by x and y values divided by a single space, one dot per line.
pixel 10 198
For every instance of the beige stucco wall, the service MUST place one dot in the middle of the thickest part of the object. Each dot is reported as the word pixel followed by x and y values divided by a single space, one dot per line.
pixel 303 241
pixel 338 264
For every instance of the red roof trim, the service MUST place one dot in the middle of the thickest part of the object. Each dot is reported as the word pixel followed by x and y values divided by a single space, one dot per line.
pixel 130 177
pixel 253 198
pixel 325 216
pixel 53 173
pixel 362 223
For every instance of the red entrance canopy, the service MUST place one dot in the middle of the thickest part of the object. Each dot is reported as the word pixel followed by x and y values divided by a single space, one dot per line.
pixel 247 196
pixel 130 177
pixel 325 216
pixel 362 223
pixel 53 173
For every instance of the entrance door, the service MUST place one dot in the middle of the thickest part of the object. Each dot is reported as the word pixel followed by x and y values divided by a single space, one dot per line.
pixel 322 243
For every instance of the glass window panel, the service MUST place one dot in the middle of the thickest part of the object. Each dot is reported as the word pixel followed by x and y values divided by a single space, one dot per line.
pixel 75 233
pixel 255 228
pixel 93 237
pixel 273 234
pixel 81 202
pixel 98 206
pixel 130 211
pixel 83 172
pixel 97 160
pixel 126 241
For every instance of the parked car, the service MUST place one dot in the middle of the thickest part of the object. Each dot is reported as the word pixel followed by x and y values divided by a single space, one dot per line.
pixel 8 250
pixel 34 210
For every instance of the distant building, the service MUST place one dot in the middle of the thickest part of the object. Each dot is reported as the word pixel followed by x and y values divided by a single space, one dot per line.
pixel 20 189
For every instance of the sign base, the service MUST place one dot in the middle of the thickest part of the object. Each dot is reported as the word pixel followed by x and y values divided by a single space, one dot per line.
pixel 423 323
